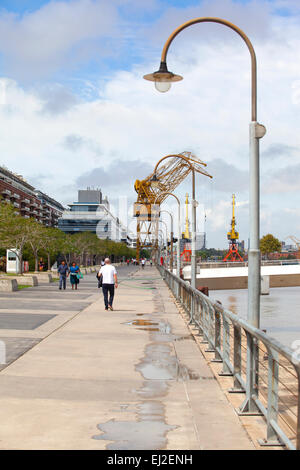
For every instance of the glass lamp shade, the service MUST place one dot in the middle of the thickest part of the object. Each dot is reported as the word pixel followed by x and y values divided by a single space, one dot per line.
pixel 162 87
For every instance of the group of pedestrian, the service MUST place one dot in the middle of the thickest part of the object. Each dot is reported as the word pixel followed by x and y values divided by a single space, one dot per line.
pixel 65 271
pixel 107 279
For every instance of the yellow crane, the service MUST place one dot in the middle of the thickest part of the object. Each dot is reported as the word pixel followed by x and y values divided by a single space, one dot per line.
pixel 150 194
pixel 233 237
pixel 297 243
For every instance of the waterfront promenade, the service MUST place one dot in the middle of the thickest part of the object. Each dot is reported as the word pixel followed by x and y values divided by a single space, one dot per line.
pixel 85 378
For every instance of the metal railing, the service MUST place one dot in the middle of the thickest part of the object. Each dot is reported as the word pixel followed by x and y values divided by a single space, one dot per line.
pixel 272 384
pixel 241 264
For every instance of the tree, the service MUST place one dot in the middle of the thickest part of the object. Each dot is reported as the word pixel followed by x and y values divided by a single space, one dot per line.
pixel 52 242
pixel 269 244
pixel 38 231
pixel 15 231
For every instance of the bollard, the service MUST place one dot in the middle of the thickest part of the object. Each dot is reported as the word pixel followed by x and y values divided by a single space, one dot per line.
pixel 265 285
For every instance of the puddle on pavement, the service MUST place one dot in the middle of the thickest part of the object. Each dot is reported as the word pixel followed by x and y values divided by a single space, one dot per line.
pixel 183 338
pixel 146 434
pixel 148 329
pixel 142 323
pixel 159 368
pixel 160 364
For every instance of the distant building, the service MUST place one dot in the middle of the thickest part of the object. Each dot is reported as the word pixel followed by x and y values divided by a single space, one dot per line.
pixel 51 209
pixel 28 202
pixel 91 213
pixel 201 241
pixel 241 245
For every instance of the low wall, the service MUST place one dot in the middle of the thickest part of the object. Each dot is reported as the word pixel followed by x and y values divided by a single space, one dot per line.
pixel 42 277
pixel 8 285
pixel 241 282
pixel 23 280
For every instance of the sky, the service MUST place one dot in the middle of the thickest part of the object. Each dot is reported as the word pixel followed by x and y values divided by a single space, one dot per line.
pixel 76 112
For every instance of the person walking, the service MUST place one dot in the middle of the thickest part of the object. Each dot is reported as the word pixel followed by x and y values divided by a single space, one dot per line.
pixel 143 263
pixel 109 283
pixel 63 270
pixel 74 271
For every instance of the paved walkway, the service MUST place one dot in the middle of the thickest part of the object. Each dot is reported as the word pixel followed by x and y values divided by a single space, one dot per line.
pixel 129 379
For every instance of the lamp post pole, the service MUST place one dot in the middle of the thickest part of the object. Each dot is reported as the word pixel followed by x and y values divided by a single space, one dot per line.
pixel 193 260
pixel 179 227
pixel 172 236
pixel 163 79
pixel 166 250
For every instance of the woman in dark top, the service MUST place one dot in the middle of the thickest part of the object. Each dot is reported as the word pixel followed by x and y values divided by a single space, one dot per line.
pixel 74 270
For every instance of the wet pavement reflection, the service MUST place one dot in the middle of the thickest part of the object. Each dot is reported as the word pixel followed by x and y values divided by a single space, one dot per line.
pixel 159 367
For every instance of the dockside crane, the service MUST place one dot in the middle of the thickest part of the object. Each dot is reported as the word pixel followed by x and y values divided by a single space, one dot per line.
pixel 233 236
pixel 150 195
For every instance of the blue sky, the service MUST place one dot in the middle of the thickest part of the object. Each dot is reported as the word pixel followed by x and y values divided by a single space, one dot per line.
pixel 76 111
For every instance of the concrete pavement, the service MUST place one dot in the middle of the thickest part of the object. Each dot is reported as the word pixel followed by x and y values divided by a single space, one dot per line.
pixel 133 378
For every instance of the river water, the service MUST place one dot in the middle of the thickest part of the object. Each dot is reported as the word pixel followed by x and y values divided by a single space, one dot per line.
pixel 280 310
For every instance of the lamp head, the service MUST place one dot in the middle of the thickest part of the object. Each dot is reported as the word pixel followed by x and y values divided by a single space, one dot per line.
pixel 162 78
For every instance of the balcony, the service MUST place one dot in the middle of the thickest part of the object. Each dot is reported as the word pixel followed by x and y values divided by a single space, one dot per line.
pixel 16 204
pixel 6 191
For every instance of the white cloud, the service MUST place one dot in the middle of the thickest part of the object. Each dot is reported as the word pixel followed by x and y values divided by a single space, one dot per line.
pixel 41 42
pixel 55 137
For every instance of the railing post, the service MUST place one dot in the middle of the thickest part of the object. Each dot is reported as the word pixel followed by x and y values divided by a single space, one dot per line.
pixel 226 348
pixel 218 357
pixel 192 308
pixel 237 360
pixel 210 328
pixel 249 406
pixel 272 409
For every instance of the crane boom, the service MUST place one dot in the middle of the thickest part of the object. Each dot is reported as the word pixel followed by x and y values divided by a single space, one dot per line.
pixel 169 175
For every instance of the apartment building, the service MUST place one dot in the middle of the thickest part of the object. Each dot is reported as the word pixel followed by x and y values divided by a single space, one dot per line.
pixel 28 201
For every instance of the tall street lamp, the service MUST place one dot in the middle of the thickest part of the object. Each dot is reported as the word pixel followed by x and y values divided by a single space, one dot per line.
pixel 179 227
pixel 163 79
pixel 194 205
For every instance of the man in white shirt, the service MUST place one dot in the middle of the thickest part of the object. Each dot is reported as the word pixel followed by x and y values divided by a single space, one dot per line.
pixel 109 283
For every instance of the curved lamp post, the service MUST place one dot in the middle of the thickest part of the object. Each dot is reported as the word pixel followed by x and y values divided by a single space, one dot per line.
pixel 163 80
pixel 194 205
pixel 179 227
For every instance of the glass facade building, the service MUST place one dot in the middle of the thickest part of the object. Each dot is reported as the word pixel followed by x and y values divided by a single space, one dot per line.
pixel 91 214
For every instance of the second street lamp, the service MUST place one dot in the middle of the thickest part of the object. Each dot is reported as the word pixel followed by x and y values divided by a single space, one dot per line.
pixel 179 227
pixel 171 238
pixel 156 180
